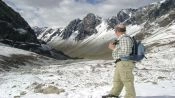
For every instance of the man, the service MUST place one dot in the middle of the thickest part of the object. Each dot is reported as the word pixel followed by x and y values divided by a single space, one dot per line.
pixel 123 76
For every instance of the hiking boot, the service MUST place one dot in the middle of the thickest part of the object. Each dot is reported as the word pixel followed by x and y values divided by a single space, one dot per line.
pixel 110 96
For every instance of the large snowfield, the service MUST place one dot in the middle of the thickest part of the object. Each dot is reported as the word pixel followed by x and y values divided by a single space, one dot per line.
pixel 154 76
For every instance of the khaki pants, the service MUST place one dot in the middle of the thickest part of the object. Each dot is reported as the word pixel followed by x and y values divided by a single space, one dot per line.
pixel 123 77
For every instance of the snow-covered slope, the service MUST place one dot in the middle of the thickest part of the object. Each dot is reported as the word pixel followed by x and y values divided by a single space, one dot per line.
pixel 87 78
pixel 90 46
pixel 12 58
pixel 154 24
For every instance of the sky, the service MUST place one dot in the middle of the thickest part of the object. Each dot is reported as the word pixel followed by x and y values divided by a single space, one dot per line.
pixel 58 13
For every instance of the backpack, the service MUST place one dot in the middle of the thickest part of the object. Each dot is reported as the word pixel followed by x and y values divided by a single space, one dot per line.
pixel 138 51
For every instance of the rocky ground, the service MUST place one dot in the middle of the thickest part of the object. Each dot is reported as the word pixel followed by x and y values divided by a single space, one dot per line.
pixel 88 79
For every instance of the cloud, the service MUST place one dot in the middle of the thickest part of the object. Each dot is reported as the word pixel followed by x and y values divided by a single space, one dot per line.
pixel 90 1
pixel 58 13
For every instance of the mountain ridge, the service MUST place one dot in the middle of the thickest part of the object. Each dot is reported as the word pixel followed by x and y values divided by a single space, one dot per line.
pixel 143 23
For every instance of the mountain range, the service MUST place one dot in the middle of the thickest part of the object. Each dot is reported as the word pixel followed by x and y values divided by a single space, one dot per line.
pixel 89 37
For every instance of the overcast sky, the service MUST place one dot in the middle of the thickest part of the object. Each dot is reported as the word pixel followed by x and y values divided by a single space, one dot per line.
pixel 58 13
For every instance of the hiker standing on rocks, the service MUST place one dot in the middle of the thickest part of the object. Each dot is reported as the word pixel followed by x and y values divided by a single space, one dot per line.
pixel 123 76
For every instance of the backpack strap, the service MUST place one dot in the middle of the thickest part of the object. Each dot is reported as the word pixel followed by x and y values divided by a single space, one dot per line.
pixel 134 49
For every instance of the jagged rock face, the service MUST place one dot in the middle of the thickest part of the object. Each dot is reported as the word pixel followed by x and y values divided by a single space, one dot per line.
pixel 72 27
pixel 125 14
pixel 85 27
pixel 13 26
pixel 164 8
pixel 56 33
pixel 147 15
pixel 122 16
pixel 90 22
pixel 39 30
pixel 42 32
pixel 151 12
pixel 112 22
pixel 141 15
pixel 164 22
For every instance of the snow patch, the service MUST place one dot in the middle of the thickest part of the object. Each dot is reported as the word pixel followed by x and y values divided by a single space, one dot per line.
pixel 8 51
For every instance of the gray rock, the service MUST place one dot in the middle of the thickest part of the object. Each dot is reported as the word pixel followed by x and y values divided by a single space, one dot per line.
pixel 41 88
pixel 52 90
pixel 16 96
pixel 23 93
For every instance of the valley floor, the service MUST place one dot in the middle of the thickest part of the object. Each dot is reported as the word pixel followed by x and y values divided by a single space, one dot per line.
pixel 87 79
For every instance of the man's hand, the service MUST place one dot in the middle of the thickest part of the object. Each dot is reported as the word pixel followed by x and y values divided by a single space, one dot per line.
pixel 111 46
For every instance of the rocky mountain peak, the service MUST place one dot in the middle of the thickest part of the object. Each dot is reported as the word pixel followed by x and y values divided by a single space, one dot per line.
pixel 13 26
pixel 85 27
pixel 125 14
pixel 90 22
pixel 72 26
